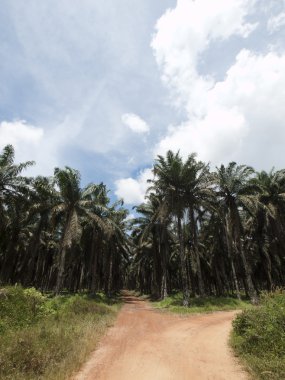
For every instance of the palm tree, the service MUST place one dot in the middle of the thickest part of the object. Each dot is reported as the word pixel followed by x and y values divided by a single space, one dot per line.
pixel 74 202
pixel 15 235
pixel 117 247
pixel 217 231
pixel 170 183
pixel 154 223
pixel 14 192
pixel 41 221
pixel 198 194
pixel 95 229
pixel 11 183
pixel 43 198
pixel 268 223
pixel 214 251
pixel 235 192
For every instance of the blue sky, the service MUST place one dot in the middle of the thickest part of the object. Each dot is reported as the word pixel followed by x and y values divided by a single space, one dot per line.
pixel 104 86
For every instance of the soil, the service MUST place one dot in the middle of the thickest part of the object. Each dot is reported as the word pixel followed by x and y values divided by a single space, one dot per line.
pixel 145 344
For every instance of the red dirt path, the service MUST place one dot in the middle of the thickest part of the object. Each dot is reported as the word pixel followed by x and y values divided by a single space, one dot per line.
pixel 145 344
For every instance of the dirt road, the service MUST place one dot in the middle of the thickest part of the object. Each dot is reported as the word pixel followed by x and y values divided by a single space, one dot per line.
pixel 148 345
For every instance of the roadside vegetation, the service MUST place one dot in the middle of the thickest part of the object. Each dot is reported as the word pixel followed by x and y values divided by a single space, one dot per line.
pixel 259 337
pixel 44 337
pixel 174 303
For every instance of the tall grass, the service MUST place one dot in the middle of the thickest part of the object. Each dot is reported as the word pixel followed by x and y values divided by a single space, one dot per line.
pixel 48 338
pixel 259 337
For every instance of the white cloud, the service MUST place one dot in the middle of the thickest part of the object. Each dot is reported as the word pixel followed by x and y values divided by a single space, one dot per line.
pixel 133 190
pixel 275 23
pixel 184 33
pixel 215 137
pixel 135 123
pixel 18 133
pixel 237 118
pixel 25 138
pixel 244 116
pixel 32 143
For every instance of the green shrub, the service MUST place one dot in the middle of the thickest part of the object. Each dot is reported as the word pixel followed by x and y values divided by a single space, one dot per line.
pixel 20 307
pixel 78 304
pixel 48 338
pixel 259 336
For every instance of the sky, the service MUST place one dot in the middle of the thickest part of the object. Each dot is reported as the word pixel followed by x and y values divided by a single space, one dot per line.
pixel 104 86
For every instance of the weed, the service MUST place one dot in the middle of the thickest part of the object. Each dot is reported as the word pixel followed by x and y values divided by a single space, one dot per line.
pixel 259 337
pixel 174 303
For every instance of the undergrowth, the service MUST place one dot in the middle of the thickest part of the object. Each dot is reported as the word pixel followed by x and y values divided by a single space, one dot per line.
pixel 49 338
pixel 259 337
pixel 174 303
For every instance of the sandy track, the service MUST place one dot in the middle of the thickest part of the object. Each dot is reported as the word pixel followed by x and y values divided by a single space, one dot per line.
pixel 148 345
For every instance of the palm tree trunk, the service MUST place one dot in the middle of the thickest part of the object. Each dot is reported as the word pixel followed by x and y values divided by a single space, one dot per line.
pixel 34 255
pixel 94 255
pixel 230 253
pixel 251 290
pixel 110 279
pixel 81 278
pixel 10 259
pixel 193 228
pixel 62 256
pixel 164 272
pixel 186 290
pixel 155 282
pixel 60 274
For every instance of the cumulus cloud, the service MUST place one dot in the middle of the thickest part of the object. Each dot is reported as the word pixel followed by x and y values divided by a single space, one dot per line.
pixel 135 123
pixel 275 23
pixel 25 138
pixel 244 115
pixel 215 137
pixel 236 118
pixel 33 143
pixel 185 32
pixel 18 133
pixel 133 190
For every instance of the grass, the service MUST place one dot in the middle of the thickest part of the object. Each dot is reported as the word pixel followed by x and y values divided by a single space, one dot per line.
pixel 49 338
pixel 174 303
pixel 259 337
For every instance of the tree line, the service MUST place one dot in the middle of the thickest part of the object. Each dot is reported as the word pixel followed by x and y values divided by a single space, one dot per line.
pixel 199 231
pixel 56 235
pixel 209 232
